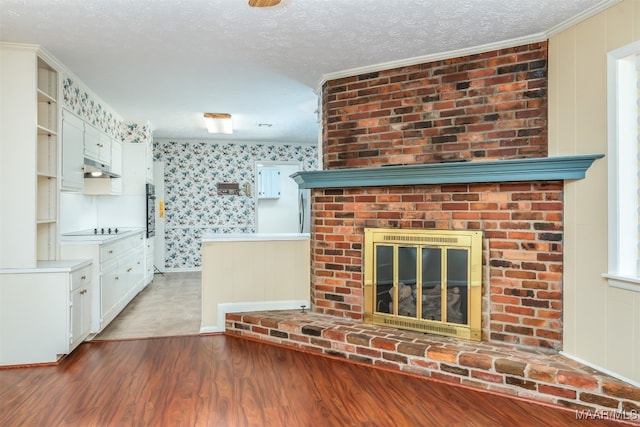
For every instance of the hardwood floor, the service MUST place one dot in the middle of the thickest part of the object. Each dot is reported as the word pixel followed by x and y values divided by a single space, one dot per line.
pixel 226 381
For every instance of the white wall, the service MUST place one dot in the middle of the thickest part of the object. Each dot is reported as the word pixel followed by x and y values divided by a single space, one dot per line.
pixel 601 323
pixel 81 212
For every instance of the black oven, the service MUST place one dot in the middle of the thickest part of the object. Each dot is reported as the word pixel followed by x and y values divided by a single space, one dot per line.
pixel 151 210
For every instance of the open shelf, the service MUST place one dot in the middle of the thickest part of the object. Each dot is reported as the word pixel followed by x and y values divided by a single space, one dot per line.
pixel 47 162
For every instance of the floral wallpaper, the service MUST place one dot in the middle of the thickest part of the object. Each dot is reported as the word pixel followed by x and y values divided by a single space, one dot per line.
pixel 81 102
pixel 136 134
pixel 192 204
pixel 192 170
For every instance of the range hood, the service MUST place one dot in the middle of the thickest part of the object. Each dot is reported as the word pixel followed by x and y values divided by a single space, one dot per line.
pixel 94 169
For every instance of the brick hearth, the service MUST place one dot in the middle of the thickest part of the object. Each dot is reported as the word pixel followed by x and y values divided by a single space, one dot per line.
pixel 539 375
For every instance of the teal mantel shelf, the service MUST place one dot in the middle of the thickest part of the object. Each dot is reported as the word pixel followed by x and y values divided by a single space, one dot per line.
pixel 536 169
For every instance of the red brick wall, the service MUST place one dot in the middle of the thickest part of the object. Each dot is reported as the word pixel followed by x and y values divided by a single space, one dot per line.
pixel 489 105
pixel 522 260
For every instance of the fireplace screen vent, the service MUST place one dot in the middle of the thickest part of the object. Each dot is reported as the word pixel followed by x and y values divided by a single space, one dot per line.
pixel 424 280
pixel 420 239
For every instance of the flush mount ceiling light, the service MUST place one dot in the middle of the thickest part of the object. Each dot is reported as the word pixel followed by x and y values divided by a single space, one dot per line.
pixel 263 3
pixel 218 123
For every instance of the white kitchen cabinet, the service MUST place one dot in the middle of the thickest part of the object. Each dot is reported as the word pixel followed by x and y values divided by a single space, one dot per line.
pixel 108 185
pixel 149 161
pixel 149 269
pixel 44 311
pixel 29 123
pixel 118 271
pixel 268 183
pixel 80 306
pixel 116 166
pixel 135 168
pixel 72 161
pixel 97 145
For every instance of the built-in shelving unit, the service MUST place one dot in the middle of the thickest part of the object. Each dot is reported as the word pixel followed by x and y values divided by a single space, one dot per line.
pixel 47 162
pixel 29 163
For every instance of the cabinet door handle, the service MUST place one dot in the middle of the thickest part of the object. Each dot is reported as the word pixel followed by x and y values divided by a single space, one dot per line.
pixel 129 269
pixel 117 278
pixel 111 251
pixel 83 277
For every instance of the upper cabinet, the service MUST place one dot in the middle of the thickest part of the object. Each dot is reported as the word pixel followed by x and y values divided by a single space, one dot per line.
pixel 97 145
pixel 28 157
pixel 72 164
pixel 268 182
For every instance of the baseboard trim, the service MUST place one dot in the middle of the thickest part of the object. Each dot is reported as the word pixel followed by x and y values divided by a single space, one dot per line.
pixel 239 307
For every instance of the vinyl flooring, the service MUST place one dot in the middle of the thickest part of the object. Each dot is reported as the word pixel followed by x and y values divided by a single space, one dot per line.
pixel 171 305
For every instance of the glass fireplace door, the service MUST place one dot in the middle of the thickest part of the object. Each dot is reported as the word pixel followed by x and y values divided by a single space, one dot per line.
pixel 424 280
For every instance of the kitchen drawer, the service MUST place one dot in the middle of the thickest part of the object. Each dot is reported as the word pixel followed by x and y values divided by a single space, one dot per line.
pixel 119 248
pixel 129 243
pixel 110 252
pixel 81 277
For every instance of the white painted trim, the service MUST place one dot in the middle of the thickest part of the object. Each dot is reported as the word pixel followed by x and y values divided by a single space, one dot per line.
pixel 66 72
pixel 601 369
pixel 181 270
pixel 575 20
pixel 210 329
pixel 21 46
pixel 620 259
pixel 534 38
pixel 622 282
pixel 239 307
pixel 229 142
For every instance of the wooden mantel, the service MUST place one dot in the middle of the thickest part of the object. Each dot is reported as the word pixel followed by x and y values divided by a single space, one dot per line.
pixel 532 169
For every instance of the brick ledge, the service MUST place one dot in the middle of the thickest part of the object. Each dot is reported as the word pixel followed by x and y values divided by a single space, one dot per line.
pixel 540 375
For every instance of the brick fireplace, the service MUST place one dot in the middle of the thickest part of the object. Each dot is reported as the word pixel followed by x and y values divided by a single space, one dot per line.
pixel 490 106
pixel 457 144
pixel 522 263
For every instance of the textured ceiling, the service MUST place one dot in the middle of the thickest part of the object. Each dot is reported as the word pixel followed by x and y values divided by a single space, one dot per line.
pixel 167 61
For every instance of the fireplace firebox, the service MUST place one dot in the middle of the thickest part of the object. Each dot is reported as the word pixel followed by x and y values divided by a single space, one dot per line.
pixel 424 280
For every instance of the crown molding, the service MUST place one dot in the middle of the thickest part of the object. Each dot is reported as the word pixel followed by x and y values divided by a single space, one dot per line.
pixel 606 4
pixel 533 38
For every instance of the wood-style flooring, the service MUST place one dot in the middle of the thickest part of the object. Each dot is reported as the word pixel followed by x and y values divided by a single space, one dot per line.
pixel 219 380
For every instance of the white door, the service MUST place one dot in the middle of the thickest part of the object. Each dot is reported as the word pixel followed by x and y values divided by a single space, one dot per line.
pixel 280 214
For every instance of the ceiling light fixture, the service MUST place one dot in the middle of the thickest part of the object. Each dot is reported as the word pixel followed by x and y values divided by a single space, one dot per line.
pixel 263 3
pixel 218 123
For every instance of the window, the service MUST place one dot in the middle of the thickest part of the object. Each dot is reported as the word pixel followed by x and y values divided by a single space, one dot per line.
pixel 623 164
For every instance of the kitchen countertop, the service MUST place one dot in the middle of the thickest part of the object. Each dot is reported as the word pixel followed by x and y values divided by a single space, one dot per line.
pixel 252 237
pixel 71 238
pixel 59 266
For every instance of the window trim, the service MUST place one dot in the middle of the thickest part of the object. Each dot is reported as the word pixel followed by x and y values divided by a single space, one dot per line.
pixel 620 272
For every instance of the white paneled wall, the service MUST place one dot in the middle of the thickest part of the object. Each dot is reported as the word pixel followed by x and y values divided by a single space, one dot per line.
pixel 601 323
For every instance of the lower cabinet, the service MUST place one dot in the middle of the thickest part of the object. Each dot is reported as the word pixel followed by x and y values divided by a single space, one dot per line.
pixel 119 271
pixel 80 305
pixel 44 312
pixel 149 267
